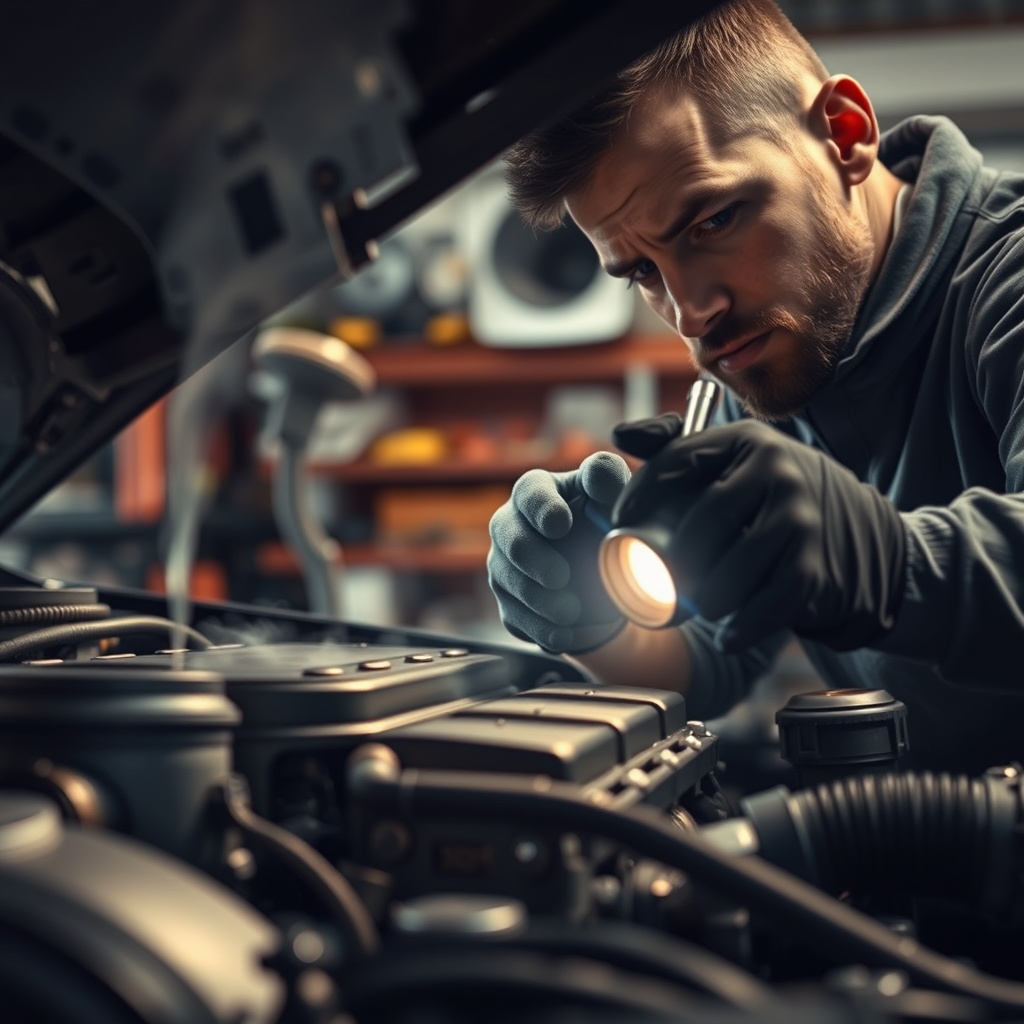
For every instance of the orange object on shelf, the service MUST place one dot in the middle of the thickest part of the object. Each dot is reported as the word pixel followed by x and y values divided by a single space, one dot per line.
pixel 358 331
pixel 479 448
pixel 412 446
pixel 447 329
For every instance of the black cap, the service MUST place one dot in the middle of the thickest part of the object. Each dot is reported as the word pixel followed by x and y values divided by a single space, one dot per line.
pixel 842 729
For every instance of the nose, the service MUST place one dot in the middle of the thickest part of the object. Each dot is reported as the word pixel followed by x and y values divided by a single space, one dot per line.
pixel 696 303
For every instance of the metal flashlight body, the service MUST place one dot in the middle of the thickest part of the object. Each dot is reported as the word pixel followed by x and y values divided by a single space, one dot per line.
pixel 636 562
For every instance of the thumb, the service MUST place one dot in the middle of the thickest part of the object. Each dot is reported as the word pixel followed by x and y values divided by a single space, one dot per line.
pixel 644 438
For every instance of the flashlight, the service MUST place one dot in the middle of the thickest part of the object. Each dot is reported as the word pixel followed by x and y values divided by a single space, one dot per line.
pixel 635 561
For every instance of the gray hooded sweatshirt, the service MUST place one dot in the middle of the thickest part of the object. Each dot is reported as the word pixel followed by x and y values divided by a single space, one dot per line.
pixel 927 405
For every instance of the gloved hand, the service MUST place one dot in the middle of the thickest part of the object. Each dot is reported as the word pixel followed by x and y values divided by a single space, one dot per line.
pixel 772 534
pixel 542 566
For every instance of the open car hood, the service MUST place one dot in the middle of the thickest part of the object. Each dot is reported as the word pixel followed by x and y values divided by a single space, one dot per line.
pixel 173 172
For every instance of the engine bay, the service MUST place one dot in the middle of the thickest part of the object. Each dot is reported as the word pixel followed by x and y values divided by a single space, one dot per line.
pixel 343 823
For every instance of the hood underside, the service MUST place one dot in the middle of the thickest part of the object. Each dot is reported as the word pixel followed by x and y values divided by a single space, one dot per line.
pixel 173 173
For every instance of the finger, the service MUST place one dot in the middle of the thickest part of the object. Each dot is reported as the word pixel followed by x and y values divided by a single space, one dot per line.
pixel 518 548
pixel 525 622
pixel 602 476
pixel 537 496
pixel 646 437
pixel 559 606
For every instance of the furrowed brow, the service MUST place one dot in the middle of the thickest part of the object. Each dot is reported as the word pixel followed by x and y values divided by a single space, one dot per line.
pixel 701 200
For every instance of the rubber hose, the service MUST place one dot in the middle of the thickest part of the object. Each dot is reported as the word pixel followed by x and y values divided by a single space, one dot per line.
pixel 923 833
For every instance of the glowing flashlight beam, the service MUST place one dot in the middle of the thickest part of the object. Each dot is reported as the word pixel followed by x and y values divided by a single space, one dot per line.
pixel 635 573
pixel 649 572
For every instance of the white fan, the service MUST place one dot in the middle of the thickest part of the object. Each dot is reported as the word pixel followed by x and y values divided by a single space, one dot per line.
pixel 535 288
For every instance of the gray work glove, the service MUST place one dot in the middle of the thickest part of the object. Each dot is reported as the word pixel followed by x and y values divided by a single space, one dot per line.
pixel 771 534
pixel 543 565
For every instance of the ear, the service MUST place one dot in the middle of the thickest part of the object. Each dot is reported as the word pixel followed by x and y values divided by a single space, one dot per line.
pixel 843 117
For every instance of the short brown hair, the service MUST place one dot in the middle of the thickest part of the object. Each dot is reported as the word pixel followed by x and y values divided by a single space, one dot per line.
pixel 741 62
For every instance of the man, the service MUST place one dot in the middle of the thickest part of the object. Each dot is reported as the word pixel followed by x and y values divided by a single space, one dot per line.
pixel 861 299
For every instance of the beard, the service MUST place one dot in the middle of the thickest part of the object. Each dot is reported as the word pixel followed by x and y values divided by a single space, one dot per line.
pixel 837 274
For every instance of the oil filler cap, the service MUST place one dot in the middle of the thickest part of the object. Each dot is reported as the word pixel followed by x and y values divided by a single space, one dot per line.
pixel 827 734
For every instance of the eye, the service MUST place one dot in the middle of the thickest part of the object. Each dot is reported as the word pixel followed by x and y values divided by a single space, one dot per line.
pixel 641 273
pixel 716 222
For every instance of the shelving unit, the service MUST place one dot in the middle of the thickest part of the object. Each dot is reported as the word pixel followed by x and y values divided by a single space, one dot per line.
pixel 505 382
pixel 474 384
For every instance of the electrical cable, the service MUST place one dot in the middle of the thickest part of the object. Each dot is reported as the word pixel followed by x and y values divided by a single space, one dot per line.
pixel 78 632
pixel 328 885
pixel 376 776
pixel 51 614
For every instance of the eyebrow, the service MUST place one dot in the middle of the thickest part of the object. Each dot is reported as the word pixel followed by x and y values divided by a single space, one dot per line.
pixel 700 200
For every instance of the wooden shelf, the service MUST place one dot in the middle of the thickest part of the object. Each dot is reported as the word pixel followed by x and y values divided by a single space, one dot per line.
pixel 414 364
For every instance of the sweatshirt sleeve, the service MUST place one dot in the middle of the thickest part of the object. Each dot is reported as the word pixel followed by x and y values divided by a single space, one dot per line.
pixel 963 604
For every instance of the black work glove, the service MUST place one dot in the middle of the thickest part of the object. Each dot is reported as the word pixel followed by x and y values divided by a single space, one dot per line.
pixel 770 534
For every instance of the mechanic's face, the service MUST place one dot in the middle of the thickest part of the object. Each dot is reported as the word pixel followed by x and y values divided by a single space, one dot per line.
pixel 750 251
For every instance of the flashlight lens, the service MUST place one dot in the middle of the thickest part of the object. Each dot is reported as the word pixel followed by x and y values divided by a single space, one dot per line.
pixel 648 572
pixel 638 581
